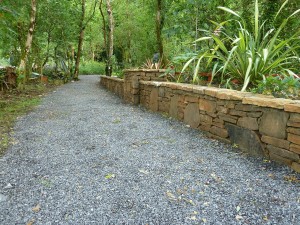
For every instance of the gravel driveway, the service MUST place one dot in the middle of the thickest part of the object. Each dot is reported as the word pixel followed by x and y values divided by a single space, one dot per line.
pixel 85 157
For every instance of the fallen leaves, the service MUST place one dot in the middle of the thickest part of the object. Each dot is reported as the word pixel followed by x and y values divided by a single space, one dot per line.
pixel 144 171
pixel 110 176
pixel 30 222
pixel 170 196
pixel 37 208
pixel 291 178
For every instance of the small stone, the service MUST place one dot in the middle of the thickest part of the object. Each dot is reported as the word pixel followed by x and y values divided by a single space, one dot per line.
pixel 8 186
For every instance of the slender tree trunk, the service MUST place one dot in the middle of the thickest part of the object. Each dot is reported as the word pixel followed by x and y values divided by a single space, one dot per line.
pixel 28 44
pixel 104 35
pixel 159 26
pixel 111 37
pixel 80 40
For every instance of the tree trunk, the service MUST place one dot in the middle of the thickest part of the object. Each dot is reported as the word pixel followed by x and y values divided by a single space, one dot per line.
pixel 104 35
pixel 28 44
pixel 111 37
pixel 159 26
pixel 80 40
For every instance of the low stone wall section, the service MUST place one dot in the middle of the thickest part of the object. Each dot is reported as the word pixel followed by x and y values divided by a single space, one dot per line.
pixel 113 84
pixel 258 124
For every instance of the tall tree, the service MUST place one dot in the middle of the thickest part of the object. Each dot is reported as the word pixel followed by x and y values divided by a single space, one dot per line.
pixel 110 38
pixel 80 40
pixel 24 57
pixel 82 26
pixel 159 27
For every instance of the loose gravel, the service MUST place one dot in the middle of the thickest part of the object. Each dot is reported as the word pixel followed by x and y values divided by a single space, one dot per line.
pixel 85 157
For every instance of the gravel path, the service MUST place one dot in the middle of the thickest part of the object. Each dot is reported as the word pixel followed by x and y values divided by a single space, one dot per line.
pixel 85 157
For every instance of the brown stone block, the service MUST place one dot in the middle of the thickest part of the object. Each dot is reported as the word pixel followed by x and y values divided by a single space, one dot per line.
pixel 154 100
pixel 295 148
pixel 280 159
pixel 293 107
pixel 221 102
pixel 211 91
pixel 207 105
pixel 221 125
pixel 248 122
pixel 180 115
pixel 228 118
pixel 204 127
pixel 237 113
pixel 199 89
pixel 293 124
pixel 191 115
pixel 224 94
pixel 276 142
pixel 283 153
pixel 205 119
pixel 293 130
pixel 223 133
pixel 296 166
pixel 174 106
pixel 247 108
pixel 295 117
pixel 191 99
pixel 222 109
pixel 214 115
pixel 239 95
pixel 294 138
pixel 254 114
pixel 217 120
pixel 265 101
pixel 273 123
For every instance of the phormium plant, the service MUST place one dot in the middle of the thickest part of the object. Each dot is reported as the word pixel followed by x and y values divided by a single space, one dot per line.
pixel 248 55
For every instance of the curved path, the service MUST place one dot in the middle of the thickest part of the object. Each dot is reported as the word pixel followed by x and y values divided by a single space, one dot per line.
pixel 85 157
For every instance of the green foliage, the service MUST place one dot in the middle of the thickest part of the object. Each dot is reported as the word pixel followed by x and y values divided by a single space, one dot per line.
pixel 248 55
pixel 92 67
pixel 281 87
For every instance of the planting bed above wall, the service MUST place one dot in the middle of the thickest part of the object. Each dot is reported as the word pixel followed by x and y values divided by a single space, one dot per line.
pixel 258 124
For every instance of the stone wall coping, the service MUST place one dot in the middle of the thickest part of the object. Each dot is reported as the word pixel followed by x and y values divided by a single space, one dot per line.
pixel 227 94
pixel 145 70
pixel 112 78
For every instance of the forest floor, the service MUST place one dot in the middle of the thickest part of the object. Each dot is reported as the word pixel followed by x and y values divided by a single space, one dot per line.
pixel 84 157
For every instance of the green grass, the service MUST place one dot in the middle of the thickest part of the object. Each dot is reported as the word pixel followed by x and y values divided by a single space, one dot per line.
pixel 14 104
pixel 92 67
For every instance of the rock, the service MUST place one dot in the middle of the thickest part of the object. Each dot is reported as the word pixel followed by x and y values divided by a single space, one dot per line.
pixel 207 105
pixel 8 186
pixel 283 153
pixel 248 122
pixel 154 100
pixel 173 112
pixel 247 140
pixel 276 142
pixel 294 138
pixel 223 133
pixel 296 167
pixel 191 115
pixel 273 124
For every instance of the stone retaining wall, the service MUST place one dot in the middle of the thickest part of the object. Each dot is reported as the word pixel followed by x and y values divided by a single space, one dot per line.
pixel 258 124
pixel 113 84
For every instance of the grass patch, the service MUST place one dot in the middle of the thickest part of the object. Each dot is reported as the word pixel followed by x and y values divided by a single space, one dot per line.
pixel 92 67
pixel 15 103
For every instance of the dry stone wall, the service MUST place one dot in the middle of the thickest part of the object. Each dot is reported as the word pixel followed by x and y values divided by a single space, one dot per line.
pixel 258 124
pixel 113 84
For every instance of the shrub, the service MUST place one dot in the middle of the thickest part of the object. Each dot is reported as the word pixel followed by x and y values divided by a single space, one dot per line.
pixel 92 67
pixel 248 55
pixel 281 87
